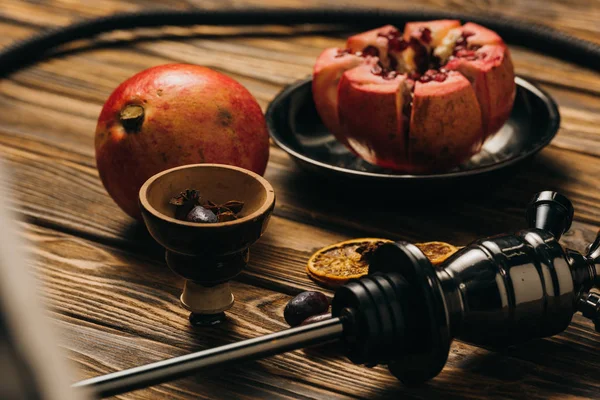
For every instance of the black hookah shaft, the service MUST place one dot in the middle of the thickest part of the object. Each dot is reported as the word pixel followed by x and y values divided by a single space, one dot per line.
pixel 251 349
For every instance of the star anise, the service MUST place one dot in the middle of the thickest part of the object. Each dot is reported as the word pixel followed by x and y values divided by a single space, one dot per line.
pixel 233 207
pixel 187 196
pixel 226 216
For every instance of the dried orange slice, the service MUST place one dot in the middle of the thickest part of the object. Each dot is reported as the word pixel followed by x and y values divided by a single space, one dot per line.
pixel 336 264
pixel 437 252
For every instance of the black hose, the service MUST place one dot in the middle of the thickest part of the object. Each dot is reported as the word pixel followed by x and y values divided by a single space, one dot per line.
pixel 536 37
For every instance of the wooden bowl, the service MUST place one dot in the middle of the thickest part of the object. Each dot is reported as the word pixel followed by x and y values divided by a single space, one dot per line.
pixel 207 255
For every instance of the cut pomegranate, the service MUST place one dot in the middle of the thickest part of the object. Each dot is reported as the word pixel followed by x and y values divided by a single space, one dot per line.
pixel 421 100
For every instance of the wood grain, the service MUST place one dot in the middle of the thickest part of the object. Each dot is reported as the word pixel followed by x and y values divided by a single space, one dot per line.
pixel 112 316
pixel 105 279
pixel 81 206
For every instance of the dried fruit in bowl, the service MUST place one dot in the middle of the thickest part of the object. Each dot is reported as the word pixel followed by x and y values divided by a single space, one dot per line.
pixel 416 101
pixel 190 206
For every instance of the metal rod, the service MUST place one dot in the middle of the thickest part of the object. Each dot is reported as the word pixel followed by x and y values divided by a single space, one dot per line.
pixel 251 349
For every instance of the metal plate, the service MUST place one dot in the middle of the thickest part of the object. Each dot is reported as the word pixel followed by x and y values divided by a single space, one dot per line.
pixel 296 128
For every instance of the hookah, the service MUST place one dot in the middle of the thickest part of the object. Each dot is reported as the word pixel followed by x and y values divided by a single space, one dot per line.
pixel 497 291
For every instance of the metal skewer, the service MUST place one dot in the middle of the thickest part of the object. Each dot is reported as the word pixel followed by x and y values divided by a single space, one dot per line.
pixel 251 349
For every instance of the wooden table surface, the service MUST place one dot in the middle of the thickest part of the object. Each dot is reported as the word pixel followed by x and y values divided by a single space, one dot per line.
pixel 107 283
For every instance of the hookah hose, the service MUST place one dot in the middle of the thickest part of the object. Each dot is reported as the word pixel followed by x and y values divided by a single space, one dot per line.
pixel 536 37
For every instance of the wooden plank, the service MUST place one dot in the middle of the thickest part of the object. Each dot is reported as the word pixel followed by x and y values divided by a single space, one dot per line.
pixel 576 16
pixel 76 202
pixel 117 309
pixel 287 52
pixel 300 52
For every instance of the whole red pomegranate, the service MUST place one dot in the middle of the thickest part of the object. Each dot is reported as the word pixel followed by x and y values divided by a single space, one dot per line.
pixel 171 115
pixel 418 101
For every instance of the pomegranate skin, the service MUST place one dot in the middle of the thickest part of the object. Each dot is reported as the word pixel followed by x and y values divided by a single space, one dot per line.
pixel 370 116
pixel 492 75
pixel 327 72
pixel 445 124
pixel 191 114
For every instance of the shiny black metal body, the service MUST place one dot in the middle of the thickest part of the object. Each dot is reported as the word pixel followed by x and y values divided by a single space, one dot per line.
pixel 508 289
pixel 501 290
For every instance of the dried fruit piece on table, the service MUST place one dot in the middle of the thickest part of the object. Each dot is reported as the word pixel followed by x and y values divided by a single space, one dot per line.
pixel 334 265
pixel 305 305
pixel 437 252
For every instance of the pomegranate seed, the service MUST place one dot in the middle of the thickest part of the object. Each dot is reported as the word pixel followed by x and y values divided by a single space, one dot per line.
pixel 462 45
pixel 440 77
pixel 391 34
pixel 397 44
pixel 433 75
pixel 389 75
pixel 370 51
pixel 425 35
pixel 377 70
